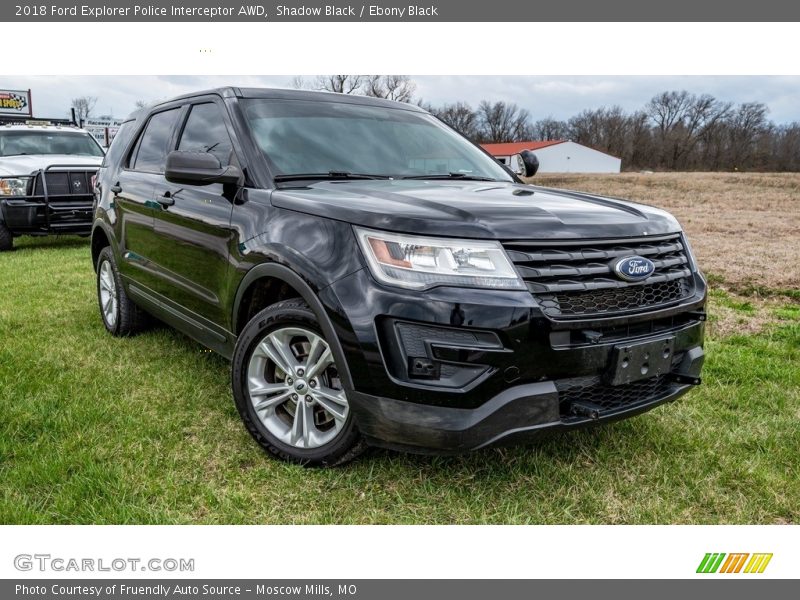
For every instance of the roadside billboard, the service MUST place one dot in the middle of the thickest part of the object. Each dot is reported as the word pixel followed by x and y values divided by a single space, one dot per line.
pixel 15 103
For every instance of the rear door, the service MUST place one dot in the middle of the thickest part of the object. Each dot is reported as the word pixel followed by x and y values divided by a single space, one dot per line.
pixel 193 223
pixel 134 194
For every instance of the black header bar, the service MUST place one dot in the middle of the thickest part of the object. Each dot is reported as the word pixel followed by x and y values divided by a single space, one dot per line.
pixel 548 11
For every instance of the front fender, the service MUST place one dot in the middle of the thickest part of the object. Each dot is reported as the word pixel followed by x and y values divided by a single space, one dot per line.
pixel 311 297
pixel 99 229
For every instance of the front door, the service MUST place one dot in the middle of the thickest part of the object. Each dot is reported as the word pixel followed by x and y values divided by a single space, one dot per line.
pixel 193 223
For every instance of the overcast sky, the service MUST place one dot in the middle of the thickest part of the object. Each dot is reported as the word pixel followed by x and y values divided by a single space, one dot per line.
pixel 559 97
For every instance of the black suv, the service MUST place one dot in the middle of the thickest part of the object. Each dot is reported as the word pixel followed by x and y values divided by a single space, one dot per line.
pixel 375 278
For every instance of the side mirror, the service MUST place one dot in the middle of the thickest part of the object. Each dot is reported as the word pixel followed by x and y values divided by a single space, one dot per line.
pixel 199 168
pixel 525 164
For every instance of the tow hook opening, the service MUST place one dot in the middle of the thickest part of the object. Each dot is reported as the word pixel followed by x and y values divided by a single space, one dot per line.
pixel 678 378
pixel 584 408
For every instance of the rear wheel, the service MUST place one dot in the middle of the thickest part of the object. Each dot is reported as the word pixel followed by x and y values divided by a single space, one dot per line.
pixel 6 239
pixel 288 391
pixel 120 315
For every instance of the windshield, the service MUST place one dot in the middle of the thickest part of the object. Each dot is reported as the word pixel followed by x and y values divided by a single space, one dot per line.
pixel 312 137
pixel 15 143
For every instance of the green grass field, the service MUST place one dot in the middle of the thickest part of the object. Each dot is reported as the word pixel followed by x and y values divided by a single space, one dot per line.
pixel 143 430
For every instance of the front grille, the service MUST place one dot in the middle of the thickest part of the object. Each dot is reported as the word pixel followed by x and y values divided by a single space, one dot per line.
pixel 65 185
pixel 614 300
pixel 577 278
pixel 610 397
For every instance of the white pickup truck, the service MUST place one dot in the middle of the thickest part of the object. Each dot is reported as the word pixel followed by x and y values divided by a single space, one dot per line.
pixel 46 175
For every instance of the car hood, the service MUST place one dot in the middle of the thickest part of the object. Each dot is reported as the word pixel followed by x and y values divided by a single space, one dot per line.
pixel 28 163
pixel 494 210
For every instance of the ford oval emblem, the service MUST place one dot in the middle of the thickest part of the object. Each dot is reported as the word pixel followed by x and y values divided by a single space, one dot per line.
pixel 634 268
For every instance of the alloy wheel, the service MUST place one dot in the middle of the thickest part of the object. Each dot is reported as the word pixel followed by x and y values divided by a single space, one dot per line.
pixel 295 388
pixel 108 294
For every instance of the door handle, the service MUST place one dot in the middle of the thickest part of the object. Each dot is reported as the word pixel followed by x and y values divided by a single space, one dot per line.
pixel 116 188
pixel 166 200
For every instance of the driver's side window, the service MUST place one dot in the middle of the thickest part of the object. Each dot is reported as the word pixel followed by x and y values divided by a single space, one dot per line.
pixel 205 132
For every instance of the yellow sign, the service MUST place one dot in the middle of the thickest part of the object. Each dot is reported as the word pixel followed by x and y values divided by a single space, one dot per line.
pixel 15 102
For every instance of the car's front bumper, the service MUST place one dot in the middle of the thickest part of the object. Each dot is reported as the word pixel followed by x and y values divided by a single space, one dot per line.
pixel 59 200
pixel 518 415
pixel 33 215
pixel 500 369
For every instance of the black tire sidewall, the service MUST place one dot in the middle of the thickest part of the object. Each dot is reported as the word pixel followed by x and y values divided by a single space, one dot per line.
pixel 6 238
pixel 282 314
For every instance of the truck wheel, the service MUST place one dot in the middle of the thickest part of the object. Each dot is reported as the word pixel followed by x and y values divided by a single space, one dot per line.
pixel 120 315
pixel 287 388
pixel 6 239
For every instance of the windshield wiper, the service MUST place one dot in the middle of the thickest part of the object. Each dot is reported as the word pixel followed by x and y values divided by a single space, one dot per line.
pixel 330 175
pixel 453 175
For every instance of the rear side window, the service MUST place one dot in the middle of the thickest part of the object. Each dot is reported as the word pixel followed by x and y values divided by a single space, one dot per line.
pixel 151 154
pixel 205 132
pixel 119 143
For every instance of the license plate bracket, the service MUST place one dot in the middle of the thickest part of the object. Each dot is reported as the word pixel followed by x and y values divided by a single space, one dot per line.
pixel 642 360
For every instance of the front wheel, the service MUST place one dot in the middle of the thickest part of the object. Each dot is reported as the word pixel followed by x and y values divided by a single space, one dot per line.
pixel 287 388
pixel 120 315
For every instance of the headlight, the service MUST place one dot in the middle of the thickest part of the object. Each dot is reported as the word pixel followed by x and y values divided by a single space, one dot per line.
pixel 13 186
pixel 421 262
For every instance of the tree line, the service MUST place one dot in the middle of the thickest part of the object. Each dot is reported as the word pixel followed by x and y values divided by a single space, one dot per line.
pixel 675 130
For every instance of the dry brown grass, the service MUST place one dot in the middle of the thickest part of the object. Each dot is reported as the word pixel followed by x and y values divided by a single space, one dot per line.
pixel 744 227
pixel 731 314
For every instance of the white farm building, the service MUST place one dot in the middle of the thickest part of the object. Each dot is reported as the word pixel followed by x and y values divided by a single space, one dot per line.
pixel 559 156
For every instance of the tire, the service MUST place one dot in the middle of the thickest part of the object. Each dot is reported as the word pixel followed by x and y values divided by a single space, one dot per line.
pixel 301 420
pixel 6 239
pixel 123 317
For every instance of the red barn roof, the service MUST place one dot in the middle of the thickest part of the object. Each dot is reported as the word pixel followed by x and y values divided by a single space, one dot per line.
pixel 510 148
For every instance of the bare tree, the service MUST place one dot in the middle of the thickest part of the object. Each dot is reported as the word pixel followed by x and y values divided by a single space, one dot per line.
pixel 641 153
pixel 83 105
pixel 784 148
pixel 747 124
pixel 392 87
pixel 341 84
pixel 606 129
pixel 681 120
pixel 503 122
pixel 460 117
pixel 549 129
